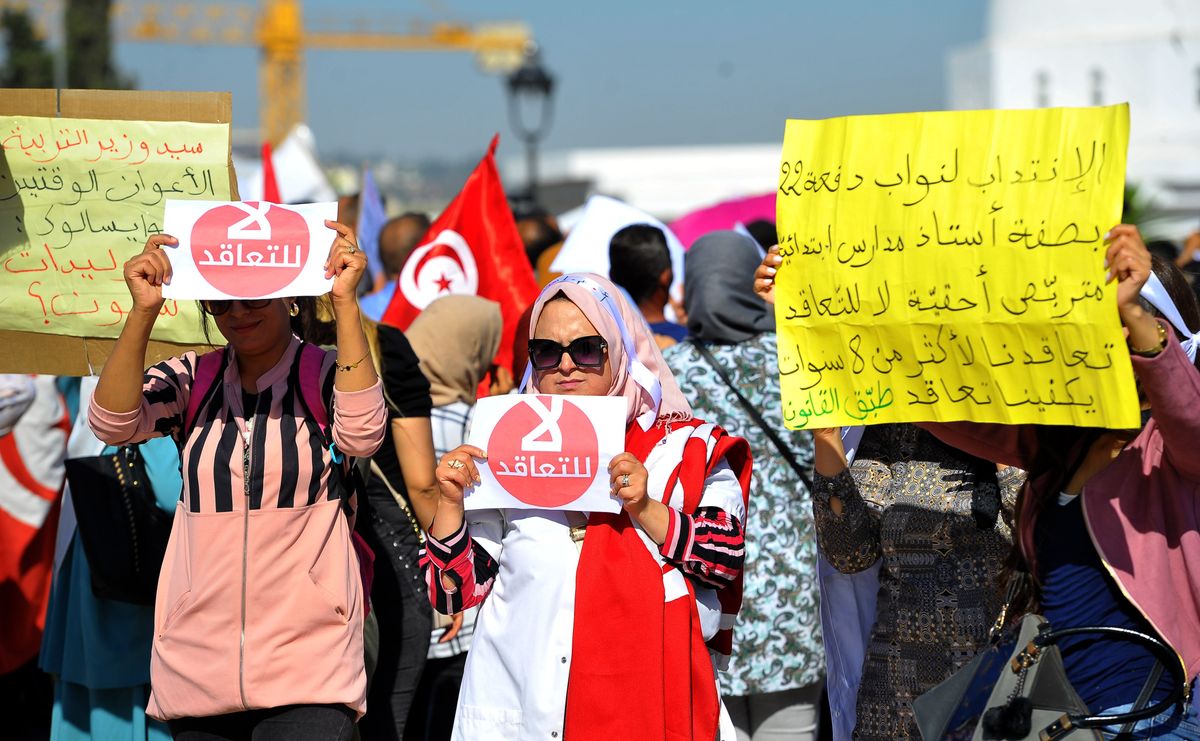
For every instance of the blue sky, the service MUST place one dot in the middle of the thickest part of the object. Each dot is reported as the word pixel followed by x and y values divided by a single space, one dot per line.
pixel 629 73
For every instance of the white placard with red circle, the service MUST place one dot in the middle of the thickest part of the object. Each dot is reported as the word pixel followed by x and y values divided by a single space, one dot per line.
pixel 547 452
pixel 250 249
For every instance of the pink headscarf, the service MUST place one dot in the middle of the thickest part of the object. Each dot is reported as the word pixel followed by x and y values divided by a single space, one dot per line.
pixel 641 376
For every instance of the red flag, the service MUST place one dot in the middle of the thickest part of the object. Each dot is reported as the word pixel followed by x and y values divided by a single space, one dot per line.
pixel 472 248
pixel 270 185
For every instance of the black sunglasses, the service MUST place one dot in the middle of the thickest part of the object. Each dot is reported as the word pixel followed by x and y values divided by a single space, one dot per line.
pixel 585 352
pixel 217 307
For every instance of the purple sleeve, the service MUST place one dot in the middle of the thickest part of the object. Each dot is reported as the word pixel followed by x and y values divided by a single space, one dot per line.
pixel 1011 445
pixel 1172 384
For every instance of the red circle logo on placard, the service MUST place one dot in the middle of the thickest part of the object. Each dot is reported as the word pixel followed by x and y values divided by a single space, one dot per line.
pixel 251 249
pixel 555 445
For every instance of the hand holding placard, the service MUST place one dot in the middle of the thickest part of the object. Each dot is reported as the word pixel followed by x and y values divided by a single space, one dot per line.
pixel 250 249
pixel 948 266
pixel 547 452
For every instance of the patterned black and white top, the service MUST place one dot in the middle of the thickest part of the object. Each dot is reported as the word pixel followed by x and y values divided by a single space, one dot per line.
pixel 940 520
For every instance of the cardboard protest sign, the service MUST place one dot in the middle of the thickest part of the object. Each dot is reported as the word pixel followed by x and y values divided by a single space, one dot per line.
pixel 83 183
pixel 248 250
pixel 547 452
pixel 950 266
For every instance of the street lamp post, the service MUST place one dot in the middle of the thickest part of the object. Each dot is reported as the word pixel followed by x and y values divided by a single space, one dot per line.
pixel 531 88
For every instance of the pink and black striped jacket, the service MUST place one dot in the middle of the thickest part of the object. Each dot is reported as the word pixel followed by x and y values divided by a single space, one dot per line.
pixel 259 602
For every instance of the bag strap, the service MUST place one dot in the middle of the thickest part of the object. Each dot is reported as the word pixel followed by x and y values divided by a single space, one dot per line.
pixel 1163 652
pixel 1142 699
pixel 307 377
pixel 209 368
pixel 780 445
pixel 311 360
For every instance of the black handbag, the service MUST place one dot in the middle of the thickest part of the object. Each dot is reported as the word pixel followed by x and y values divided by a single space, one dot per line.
pixel 123 531
pixel 1017 689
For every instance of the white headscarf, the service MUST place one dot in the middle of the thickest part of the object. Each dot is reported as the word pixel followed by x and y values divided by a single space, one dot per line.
pixel 1156 293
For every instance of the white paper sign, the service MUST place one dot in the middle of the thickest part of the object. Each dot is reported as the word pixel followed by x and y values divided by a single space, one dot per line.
pixel 254 249
pixel 547 452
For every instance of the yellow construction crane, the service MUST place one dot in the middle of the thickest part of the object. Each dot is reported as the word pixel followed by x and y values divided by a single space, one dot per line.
pixel 276 27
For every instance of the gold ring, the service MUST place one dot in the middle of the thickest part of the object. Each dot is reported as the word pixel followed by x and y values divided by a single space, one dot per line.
pixel 455 464
pixel 353 249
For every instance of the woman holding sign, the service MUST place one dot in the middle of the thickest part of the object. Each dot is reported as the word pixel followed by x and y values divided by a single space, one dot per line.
pixel 258 620
pixel 602 626
pixel 937 519
pixel 1109 518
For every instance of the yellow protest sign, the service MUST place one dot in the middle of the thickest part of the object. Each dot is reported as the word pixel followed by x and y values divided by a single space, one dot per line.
pixel 950 266
pixel 78 197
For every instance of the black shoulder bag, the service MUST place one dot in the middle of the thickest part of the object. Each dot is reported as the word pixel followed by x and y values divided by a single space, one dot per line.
pixel 124 533
pixel 780 445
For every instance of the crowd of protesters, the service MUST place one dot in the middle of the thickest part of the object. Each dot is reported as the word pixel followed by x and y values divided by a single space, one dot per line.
pixel 364 601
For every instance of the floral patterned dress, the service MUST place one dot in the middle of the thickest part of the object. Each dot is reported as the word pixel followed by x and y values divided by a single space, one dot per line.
pixel 777 639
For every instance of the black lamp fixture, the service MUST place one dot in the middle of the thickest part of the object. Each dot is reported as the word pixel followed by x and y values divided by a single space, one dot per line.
pixel 531 90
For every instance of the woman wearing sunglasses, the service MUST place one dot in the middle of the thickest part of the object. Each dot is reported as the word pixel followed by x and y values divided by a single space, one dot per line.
pixel 259 612
pixel 600 626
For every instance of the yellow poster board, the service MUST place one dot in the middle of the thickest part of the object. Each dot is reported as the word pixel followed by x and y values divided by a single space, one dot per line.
pixel 950 266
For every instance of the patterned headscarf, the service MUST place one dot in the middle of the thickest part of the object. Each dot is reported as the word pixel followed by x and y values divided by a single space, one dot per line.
pixel 639 372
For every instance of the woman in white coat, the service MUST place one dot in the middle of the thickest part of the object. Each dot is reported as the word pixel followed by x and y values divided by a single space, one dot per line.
pixel 636 618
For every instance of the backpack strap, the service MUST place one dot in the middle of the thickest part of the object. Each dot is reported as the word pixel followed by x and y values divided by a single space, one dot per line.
pixel 311 360
pixel 344 473
pixel 209 367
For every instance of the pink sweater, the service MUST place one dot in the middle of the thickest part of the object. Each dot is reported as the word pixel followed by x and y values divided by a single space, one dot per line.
pixel 1143 509
pixel 259 602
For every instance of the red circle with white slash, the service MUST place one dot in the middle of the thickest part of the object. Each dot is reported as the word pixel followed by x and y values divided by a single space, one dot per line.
pixel 246 254
pixel 559 477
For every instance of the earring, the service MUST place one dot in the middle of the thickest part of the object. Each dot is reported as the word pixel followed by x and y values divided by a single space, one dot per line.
pixel 295 310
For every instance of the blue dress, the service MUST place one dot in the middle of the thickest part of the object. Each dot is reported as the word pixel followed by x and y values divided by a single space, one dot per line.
pixel 98 649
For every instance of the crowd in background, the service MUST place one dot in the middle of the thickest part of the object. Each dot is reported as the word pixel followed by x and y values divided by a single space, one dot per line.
pixel 941 549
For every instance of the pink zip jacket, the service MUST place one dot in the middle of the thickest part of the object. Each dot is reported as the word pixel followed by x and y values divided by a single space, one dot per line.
pixel 260 601
pixel 1143 510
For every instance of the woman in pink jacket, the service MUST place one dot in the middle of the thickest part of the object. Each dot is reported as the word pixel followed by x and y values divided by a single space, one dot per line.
pixel 1109 522
pixel 258 616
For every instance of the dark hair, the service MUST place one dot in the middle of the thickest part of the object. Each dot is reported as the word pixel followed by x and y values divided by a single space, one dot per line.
pixel 1163 248
pixel 393 253
pixel 764 233
pixel 637 256
pixel 538 234
pixel 1181 294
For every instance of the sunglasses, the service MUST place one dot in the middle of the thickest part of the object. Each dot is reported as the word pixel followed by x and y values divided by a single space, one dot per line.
pixel 217 307
pixel 585 352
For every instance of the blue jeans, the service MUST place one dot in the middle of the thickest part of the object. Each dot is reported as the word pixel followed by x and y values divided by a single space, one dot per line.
pixel 1170 724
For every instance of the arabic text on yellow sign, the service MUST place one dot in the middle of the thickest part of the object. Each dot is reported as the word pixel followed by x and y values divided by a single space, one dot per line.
pixel 949 266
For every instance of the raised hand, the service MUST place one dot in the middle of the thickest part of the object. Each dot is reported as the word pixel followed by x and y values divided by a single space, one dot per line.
pixel 764 275
pixel 146 272
pixel 346 264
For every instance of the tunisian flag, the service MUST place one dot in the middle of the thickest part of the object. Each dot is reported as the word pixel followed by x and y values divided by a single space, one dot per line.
pixel 472 248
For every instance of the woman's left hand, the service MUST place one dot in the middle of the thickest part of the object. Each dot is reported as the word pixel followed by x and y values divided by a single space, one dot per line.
pixel 1128 261
pixel 630 491
pixel 346 263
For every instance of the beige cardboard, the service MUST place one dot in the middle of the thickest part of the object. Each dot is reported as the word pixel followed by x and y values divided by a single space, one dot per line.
pixel 32 352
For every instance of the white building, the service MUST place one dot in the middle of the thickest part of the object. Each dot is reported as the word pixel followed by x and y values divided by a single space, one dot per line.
pixel 1039 53
pixel 664 181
